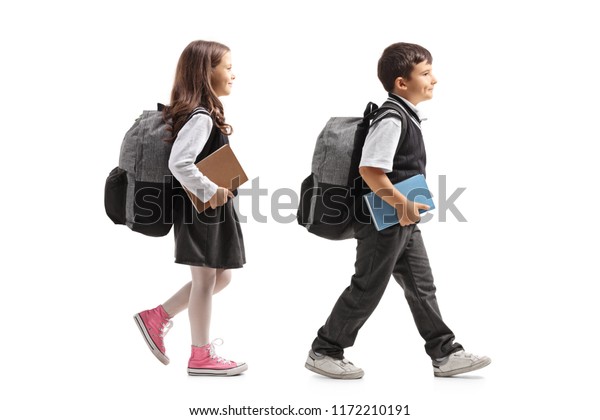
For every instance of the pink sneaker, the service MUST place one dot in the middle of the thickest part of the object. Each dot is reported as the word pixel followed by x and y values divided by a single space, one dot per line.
pixel 154 325
pixel 204 361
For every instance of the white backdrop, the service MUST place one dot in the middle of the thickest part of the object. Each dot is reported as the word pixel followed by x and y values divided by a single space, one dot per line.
pixel 513 121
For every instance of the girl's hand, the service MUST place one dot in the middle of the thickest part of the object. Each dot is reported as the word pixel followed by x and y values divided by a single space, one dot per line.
pixel 220 197
pixel 408 214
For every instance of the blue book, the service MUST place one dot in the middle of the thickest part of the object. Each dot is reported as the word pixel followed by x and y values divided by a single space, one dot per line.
pixel 384 215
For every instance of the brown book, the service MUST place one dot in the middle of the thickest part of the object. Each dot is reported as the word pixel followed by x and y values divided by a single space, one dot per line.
pixel 222 168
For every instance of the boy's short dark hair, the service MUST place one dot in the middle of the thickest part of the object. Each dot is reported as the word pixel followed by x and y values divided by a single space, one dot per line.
pixel 398 60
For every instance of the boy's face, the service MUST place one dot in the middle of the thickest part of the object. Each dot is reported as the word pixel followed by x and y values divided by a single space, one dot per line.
pixel 419 87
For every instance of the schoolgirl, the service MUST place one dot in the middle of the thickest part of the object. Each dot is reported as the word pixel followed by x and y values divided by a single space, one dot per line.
pixel 211 242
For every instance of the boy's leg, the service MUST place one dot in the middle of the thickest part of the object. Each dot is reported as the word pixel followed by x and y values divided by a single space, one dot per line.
pixel 376 255
pixel 413 273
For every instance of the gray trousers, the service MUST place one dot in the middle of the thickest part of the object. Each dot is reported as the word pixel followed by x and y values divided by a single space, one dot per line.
pixel 397 251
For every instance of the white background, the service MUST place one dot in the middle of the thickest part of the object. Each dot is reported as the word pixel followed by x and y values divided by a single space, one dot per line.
pixel 514 120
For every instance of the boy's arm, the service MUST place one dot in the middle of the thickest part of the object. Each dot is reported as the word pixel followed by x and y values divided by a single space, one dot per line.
pixel 377 180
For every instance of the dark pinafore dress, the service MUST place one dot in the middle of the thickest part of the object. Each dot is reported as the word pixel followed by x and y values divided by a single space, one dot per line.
pixel 212 238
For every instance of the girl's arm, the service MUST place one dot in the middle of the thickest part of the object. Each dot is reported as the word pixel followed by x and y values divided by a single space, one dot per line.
pixel 190 141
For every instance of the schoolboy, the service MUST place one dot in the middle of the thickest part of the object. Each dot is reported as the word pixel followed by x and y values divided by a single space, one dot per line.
pixel 405 71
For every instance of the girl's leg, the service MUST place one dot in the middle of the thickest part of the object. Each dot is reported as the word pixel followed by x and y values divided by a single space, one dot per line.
pixel 200 303
pixel 204 361
pixel 197 294
pixel 223 280
pixel 179 301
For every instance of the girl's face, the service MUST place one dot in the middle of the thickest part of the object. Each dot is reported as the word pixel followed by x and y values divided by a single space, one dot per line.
pixel 222 77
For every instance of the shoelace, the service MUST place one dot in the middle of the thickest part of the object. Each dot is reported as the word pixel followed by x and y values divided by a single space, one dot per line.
pixel 213 354
pixel 165 327
pixel 469 355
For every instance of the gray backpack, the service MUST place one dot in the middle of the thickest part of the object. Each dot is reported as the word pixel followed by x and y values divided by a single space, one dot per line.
pixel 330 197
pixel 139 192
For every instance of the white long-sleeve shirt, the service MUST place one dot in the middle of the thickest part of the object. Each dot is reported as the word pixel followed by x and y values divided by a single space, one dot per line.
pixel 190 141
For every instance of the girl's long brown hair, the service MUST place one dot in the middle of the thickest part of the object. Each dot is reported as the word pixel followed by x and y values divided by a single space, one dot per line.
pixel 192 87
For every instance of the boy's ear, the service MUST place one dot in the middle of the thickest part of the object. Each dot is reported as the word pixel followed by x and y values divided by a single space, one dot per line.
pixel 399 84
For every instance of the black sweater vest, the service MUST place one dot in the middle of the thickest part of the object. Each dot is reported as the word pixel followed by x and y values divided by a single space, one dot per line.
pixel 410 158
pixel 216 140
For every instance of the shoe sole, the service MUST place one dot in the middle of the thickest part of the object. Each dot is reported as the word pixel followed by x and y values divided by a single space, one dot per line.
pixel 355 375
pixel 155 351
pixel 483 363
pixel 218 372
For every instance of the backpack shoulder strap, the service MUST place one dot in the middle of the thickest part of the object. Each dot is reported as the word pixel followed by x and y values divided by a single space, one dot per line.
pixel 197 111
pixel 200 110
pixel 390 109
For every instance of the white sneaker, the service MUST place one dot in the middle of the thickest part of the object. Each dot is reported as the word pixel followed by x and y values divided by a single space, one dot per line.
pixel 459 362
pixel 332 368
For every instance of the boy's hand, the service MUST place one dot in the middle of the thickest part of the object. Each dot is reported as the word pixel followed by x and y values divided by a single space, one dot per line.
pixel 406 210
pixel 408 213
pixel 220 197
